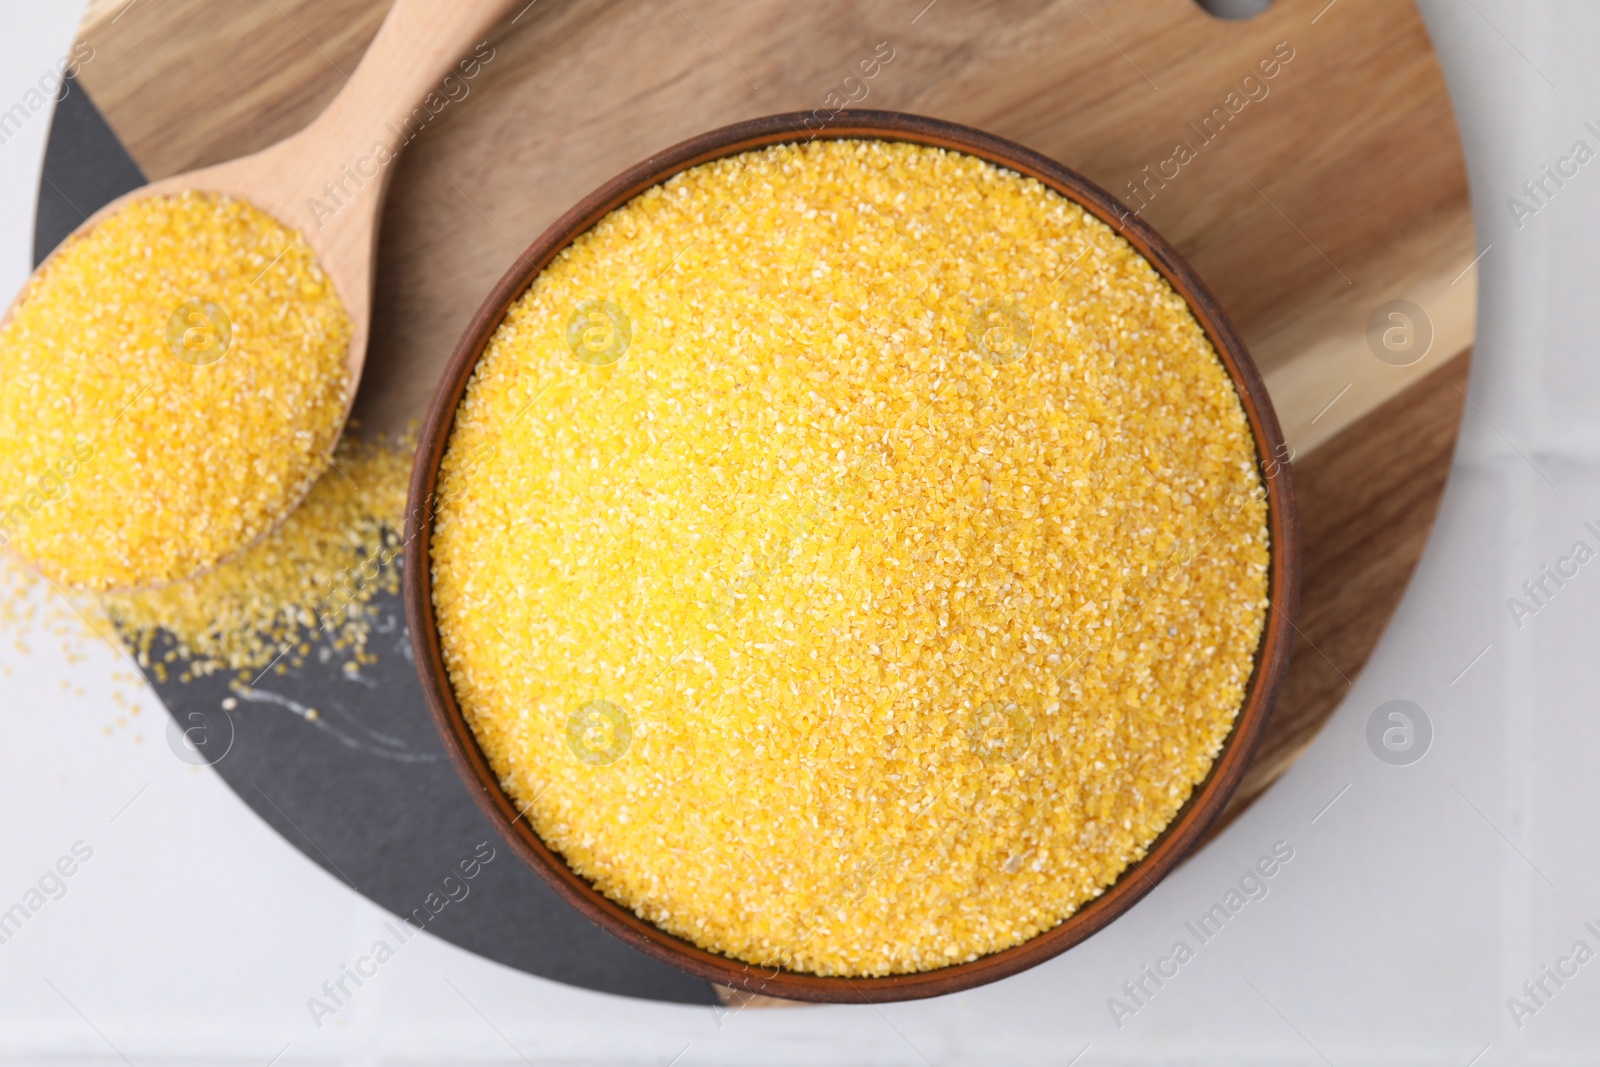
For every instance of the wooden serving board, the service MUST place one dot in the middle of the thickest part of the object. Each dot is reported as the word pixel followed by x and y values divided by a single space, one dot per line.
pixel 1307 200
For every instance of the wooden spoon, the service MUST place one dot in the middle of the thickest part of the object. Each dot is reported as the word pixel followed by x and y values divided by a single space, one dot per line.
pixel 328 180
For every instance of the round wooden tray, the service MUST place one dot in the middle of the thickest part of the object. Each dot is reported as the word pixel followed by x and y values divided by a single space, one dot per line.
pixel 1302 234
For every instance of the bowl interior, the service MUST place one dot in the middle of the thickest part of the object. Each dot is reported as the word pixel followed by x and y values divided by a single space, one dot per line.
pixel 1205 802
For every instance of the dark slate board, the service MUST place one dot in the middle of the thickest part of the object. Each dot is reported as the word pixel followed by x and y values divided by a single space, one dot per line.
pixel 365 789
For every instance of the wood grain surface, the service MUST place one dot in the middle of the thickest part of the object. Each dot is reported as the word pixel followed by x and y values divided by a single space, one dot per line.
pixel 1311 198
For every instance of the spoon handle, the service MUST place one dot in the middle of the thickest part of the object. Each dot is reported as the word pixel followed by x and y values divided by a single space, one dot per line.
pixel 421 60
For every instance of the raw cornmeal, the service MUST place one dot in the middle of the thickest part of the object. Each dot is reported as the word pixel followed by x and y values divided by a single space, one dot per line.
pixel 851 556
pixel 312 577
pixel 170 383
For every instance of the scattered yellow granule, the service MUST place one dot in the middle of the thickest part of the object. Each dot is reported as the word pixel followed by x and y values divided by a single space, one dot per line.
pixel 851 556
pixel 312 576
pixel 170 383
pixel 30 608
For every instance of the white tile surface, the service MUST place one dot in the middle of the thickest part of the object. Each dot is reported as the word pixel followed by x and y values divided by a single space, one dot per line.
pixel 1413 908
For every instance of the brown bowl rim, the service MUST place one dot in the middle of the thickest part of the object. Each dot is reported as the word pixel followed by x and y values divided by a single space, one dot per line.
pixel 1188 826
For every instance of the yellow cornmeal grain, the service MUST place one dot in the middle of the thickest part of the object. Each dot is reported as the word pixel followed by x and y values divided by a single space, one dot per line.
pixel 29 609
pixel 310 580
pixel 811 630
pixel 124 462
